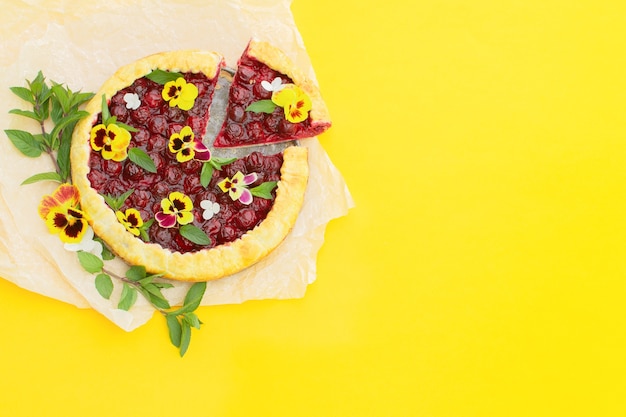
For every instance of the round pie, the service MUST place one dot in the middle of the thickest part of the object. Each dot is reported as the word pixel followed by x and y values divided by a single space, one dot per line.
pixel 160 196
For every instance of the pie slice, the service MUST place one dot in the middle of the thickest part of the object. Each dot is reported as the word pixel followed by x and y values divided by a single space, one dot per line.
pixel 158 196
pixel 270 101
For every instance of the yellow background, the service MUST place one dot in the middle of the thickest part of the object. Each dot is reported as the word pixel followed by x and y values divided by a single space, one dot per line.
pixel 482 272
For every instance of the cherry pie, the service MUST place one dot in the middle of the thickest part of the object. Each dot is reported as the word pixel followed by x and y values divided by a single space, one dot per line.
pixel 158 196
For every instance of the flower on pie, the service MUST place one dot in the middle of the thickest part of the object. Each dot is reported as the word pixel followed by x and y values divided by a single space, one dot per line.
pixel 211 208
pixel 60 210
pixel 132 101
pixel 180 93
pixel 111 141
pixel 236 186
pixel 131 219
pixel 275 85
pixel 186 147
pixel 87 244
pixel 294 101
pixel 176 208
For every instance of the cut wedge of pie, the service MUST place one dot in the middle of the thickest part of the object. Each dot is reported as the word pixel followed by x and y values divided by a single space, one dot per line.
pixel 158 196
pixel 271 101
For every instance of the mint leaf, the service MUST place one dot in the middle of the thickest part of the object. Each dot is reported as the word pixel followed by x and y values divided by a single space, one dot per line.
pixel 136 272
pixel 194 295
pixel 90 262
pixel 175 329
pixel 185 337
pixel 127 298
pixel 25 142
pixel 142 159
pixel 25 113
pixel 206 174
pixel 264 190
pixel 194 234
pixel 45 176
pixel 262 106
pixel 162 77
pixel 23 93
pixel 104 285
pixel 106 115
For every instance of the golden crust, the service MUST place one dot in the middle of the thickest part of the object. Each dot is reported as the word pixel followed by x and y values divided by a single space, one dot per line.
pixel 207 264
pixel 279 61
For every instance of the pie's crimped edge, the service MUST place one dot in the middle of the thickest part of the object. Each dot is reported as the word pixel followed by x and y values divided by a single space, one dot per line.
pixel 203 265
pixel 277 60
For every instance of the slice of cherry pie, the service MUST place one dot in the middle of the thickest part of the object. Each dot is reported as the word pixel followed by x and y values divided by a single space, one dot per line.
pixel 158 196
pixel 271 101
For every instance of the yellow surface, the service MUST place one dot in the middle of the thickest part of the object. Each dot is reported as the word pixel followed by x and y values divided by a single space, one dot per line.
pixel 482 272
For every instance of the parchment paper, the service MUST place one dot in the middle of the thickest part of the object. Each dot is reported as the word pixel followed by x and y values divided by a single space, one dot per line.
pixel 81 44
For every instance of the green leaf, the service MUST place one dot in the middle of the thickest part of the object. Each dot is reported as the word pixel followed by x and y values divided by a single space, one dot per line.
pixel 25 142
pixel 136 272
pixel 162 77
pixel 127 298
pixel 45 176
pixel 104 285
pixel 142 159
pixel 192 299
pixel 106 115
pixel 90 262
pixel 107 255
pixel 25 113
pixel 220 162
pixel 61 124
pixel 62 95
pixel 192 319
pixel 24 93
pixel 185 338
pixel 206 174
pixel 125 126
pixel 194 234
pixel 194 295
pixel 116 203
pixel 262 106
pixel 153 293
pixel 80 98
pixel 175 330
pixel 264 190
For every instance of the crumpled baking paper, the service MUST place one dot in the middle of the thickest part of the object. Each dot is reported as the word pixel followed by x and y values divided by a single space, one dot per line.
pixel 82 44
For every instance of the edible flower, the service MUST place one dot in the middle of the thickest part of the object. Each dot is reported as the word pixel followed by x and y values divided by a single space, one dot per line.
pixel 236 187
pixel 186 147
pixel 87 244
pixel 131 219
pixel 211 208
pixel 111 141
pixel 176 209
pixel 132 101
pixel 60 210
pixel 274 86
pixel 180 93
pixel 294 101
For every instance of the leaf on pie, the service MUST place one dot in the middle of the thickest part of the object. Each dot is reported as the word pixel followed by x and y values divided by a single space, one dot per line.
pixel 262 106
pixel 194 234
pixel 162 77
pixel 142 159
pixel 264 190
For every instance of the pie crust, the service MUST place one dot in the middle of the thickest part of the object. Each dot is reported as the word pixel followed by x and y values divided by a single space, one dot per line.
pixel 205 264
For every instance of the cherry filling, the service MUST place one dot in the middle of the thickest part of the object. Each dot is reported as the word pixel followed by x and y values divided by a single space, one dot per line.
pixel 156 121
pixel 241 127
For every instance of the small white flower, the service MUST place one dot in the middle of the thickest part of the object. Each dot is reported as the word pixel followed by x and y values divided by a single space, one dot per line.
pixel 210 209
pixel 87 244
pixel 132 101
pixel 274 86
